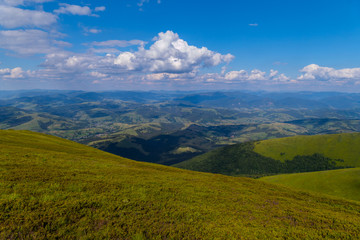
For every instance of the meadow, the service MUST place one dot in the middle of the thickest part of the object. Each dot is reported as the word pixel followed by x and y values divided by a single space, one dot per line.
pixel 54 188
pixel 342 183
pixel 336 146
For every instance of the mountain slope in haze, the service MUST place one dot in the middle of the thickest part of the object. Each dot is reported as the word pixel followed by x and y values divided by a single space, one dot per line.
pixel 61 189
pixel 343 183
pixel 283 155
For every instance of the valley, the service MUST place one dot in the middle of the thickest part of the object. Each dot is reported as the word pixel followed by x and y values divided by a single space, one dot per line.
pixel 171 127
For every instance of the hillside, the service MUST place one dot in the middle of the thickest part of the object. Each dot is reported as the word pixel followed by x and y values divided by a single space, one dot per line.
pixel 55 188
pixel 341 183
pixel 283 155
pixel 345 146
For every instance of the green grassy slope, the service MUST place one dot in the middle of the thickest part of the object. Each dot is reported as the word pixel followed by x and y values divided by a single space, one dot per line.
pixel 54 188
pixel 282 155
pixel 343 183
pixel 344 146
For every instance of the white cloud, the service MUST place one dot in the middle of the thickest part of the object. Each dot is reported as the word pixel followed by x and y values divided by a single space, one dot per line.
pixel 253 24
pixel 5 71
pixel 255 75
pixel 237 75
pixel 283 78
pixel 316 72
pixel 12 17
pixel 98 75
pixel 273 73
pixel 243 75
pixel 118 43
pixel 168 59
pixel 28 42
pixel 169 54
pixel 94 30
pixel 126 60
pixel 100 9
pixel 169 77
pixel 12 73
pixel 22 2
pixel 61 43
pixel 74 10
pixel 63 62
pixel 90 30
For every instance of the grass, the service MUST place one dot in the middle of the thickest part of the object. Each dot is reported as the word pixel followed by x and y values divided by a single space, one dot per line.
pixel 344 183
pixel 344 146
pixel 242 160
pixel 54 188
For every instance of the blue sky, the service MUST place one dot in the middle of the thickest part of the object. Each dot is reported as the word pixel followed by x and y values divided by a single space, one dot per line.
pixel 179 45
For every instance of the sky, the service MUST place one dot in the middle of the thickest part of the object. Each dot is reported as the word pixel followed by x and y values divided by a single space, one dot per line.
pixel 278 45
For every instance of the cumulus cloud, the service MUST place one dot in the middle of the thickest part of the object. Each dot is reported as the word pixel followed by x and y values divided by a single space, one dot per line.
pixel 169 54
pixel 12 17
pixel 64 62
pixel 243 75
pixel 12 73
pixel 168 59
pixel 316 72
pixel 77 10
pixel 28 42
pixel 255 75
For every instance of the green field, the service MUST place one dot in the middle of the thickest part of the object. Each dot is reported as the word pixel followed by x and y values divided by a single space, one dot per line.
pixel 54 188
pixel 344 146
pixel 343 183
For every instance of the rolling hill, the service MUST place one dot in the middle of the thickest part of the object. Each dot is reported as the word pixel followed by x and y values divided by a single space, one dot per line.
pixel 343 183
pixel 345 146
pixel 283 155
pixel 54 188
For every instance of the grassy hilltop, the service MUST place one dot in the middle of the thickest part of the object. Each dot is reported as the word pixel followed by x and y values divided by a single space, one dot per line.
pixel 283 155
pixel 344 146
pixel 343 183
pixel 54 188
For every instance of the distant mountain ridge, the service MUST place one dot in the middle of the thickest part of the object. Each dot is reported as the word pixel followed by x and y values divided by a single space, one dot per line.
pixel 133 124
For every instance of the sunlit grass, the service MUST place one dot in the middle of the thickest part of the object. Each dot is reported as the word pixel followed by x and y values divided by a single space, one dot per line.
pixel 343 183
pixel 54 188
pixel 344 146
